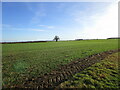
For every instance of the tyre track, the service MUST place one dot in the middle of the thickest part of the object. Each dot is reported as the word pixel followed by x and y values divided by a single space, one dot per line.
pixel 63 73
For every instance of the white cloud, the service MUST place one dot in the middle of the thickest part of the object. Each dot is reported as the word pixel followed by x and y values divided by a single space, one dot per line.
pixel 41 25
pixel 38 12
pixel 37 17
pixel 29 6
pixel 46 26
pixel 6 25
pixel 103 26
pixel 50 27
pixel 9 27
pixel 37 30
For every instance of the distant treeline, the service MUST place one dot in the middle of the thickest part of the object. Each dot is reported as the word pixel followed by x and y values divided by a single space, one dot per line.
pixel 49 41
pixel 78 39
pixel 22 42
pixel 114 38
pixel 85 39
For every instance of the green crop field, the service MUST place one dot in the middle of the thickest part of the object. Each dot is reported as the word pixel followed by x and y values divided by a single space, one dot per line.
pixel 100 75
pixel 26 60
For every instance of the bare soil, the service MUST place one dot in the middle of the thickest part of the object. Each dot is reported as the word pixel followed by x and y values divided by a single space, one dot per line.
pixel 63 73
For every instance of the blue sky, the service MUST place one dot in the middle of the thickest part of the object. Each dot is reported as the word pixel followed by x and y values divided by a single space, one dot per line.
pixel 25 21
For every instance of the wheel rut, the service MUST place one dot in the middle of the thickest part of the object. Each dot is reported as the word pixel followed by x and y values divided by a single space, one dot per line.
pixel 63 73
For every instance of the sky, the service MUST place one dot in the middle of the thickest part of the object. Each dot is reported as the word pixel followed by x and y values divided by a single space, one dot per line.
pixel 33 21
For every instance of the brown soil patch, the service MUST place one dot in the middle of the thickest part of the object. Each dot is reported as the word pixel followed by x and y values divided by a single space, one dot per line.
pixel 63 73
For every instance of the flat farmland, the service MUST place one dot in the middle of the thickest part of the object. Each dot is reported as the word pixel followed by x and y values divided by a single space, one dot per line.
pixel 28 60
pixel 104 74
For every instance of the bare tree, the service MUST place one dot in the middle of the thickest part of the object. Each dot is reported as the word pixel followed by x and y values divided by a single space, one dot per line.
pixel 56 38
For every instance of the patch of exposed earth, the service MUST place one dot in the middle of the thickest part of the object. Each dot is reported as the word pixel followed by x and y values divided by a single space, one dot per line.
pixel 63 73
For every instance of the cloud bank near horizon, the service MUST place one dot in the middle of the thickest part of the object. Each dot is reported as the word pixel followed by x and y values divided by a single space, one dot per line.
pixel 70 21
pixel 104 25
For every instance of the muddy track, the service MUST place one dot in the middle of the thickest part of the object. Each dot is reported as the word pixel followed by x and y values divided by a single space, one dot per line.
pixel 54 78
